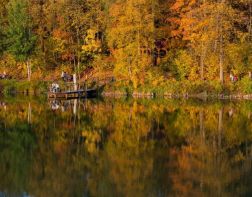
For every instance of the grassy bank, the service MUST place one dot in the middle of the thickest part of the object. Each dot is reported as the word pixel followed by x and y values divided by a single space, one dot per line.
pixel 181 88
pixel 8 87
pixel 169 88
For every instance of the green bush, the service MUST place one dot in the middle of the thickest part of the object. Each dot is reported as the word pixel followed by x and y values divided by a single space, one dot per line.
pixel 244 85
pixel 14 87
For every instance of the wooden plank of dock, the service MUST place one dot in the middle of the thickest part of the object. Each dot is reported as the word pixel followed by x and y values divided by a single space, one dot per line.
pixel 71 94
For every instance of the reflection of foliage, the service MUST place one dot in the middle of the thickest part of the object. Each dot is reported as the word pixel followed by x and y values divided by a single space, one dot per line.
pixel 92 138
pixel 126 148
pixel 17 145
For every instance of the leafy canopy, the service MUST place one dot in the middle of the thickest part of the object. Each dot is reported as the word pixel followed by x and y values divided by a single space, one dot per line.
pixel 20 37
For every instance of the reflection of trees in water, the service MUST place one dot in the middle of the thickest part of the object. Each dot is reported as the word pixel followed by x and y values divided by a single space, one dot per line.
pixel 129 148
pixel 17 144
pixel 210 164
pixel 203 165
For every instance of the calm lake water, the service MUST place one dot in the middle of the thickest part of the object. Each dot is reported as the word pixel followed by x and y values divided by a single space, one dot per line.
pixel 125 147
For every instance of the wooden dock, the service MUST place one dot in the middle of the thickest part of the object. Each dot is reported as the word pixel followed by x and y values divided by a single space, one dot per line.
pixel 73 94
pixel 71 90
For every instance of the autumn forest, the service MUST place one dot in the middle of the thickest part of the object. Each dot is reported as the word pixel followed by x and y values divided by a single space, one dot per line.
pixel 191 137
pixel 196 44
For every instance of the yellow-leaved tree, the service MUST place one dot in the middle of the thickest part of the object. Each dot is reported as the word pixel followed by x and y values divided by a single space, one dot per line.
pixel 130 38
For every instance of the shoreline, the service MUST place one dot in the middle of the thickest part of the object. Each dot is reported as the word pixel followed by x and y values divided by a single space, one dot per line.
pixel 13 87
pixel 151 95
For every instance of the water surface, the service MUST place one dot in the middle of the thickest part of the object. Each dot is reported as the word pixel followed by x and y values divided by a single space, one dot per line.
pixel 125 147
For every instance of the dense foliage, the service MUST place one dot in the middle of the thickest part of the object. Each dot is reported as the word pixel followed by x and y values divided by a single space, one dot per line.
pixel 141 42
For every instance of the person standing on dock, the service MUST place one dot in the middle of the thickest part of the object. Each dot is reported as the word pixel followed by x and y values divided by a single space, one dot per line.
pixel 63 74
pixel 66 77
pixel 231 76
pixel 55 87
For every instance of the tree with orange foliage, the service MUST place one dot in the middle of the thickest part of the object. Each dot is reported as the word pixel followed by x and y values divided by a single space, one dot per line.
pixel 207 28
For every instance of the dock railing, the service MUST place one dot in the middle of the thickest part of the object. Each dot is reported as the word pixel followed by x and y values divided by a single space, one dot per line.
pixel 94 83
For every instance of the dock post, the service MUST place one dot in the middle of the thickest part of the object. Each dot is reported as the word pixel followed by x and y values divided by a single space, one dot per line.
pixel 75 82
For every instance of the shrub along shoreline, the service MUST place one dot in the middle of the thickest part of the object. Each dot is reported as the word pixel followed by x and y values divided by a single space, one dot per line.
pixel 13 87
pixel 169 89
pixel 174 89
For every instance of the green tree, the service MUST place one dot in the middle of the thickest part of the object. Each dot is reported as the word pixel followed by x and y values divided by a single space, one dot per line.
pixel 21 39
pixel 2 39
pixel 3 13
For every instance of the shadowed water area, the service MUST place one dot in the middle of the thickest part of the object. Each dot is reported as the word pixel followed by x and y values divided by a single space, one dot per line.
pixel 125 147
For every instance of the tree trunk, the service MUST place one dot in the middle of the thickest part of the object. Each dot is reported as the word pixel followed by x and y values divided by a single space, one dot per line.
pixel 28 66
pixel 202 65
pixel 250 20
pixel 202 46
pixel 78 54
pixel 221 67
pixel 221 54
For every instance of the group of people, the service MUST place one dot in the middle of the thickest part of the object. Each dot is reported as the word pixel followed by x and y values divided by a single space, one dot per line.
pixel 66 77
pixel 55 86
pixel 233 78
pixel 4 76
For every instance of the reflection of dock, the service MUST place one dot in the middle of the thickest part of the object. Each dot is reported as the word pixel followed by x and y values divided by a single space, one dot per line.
pixel 73 94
